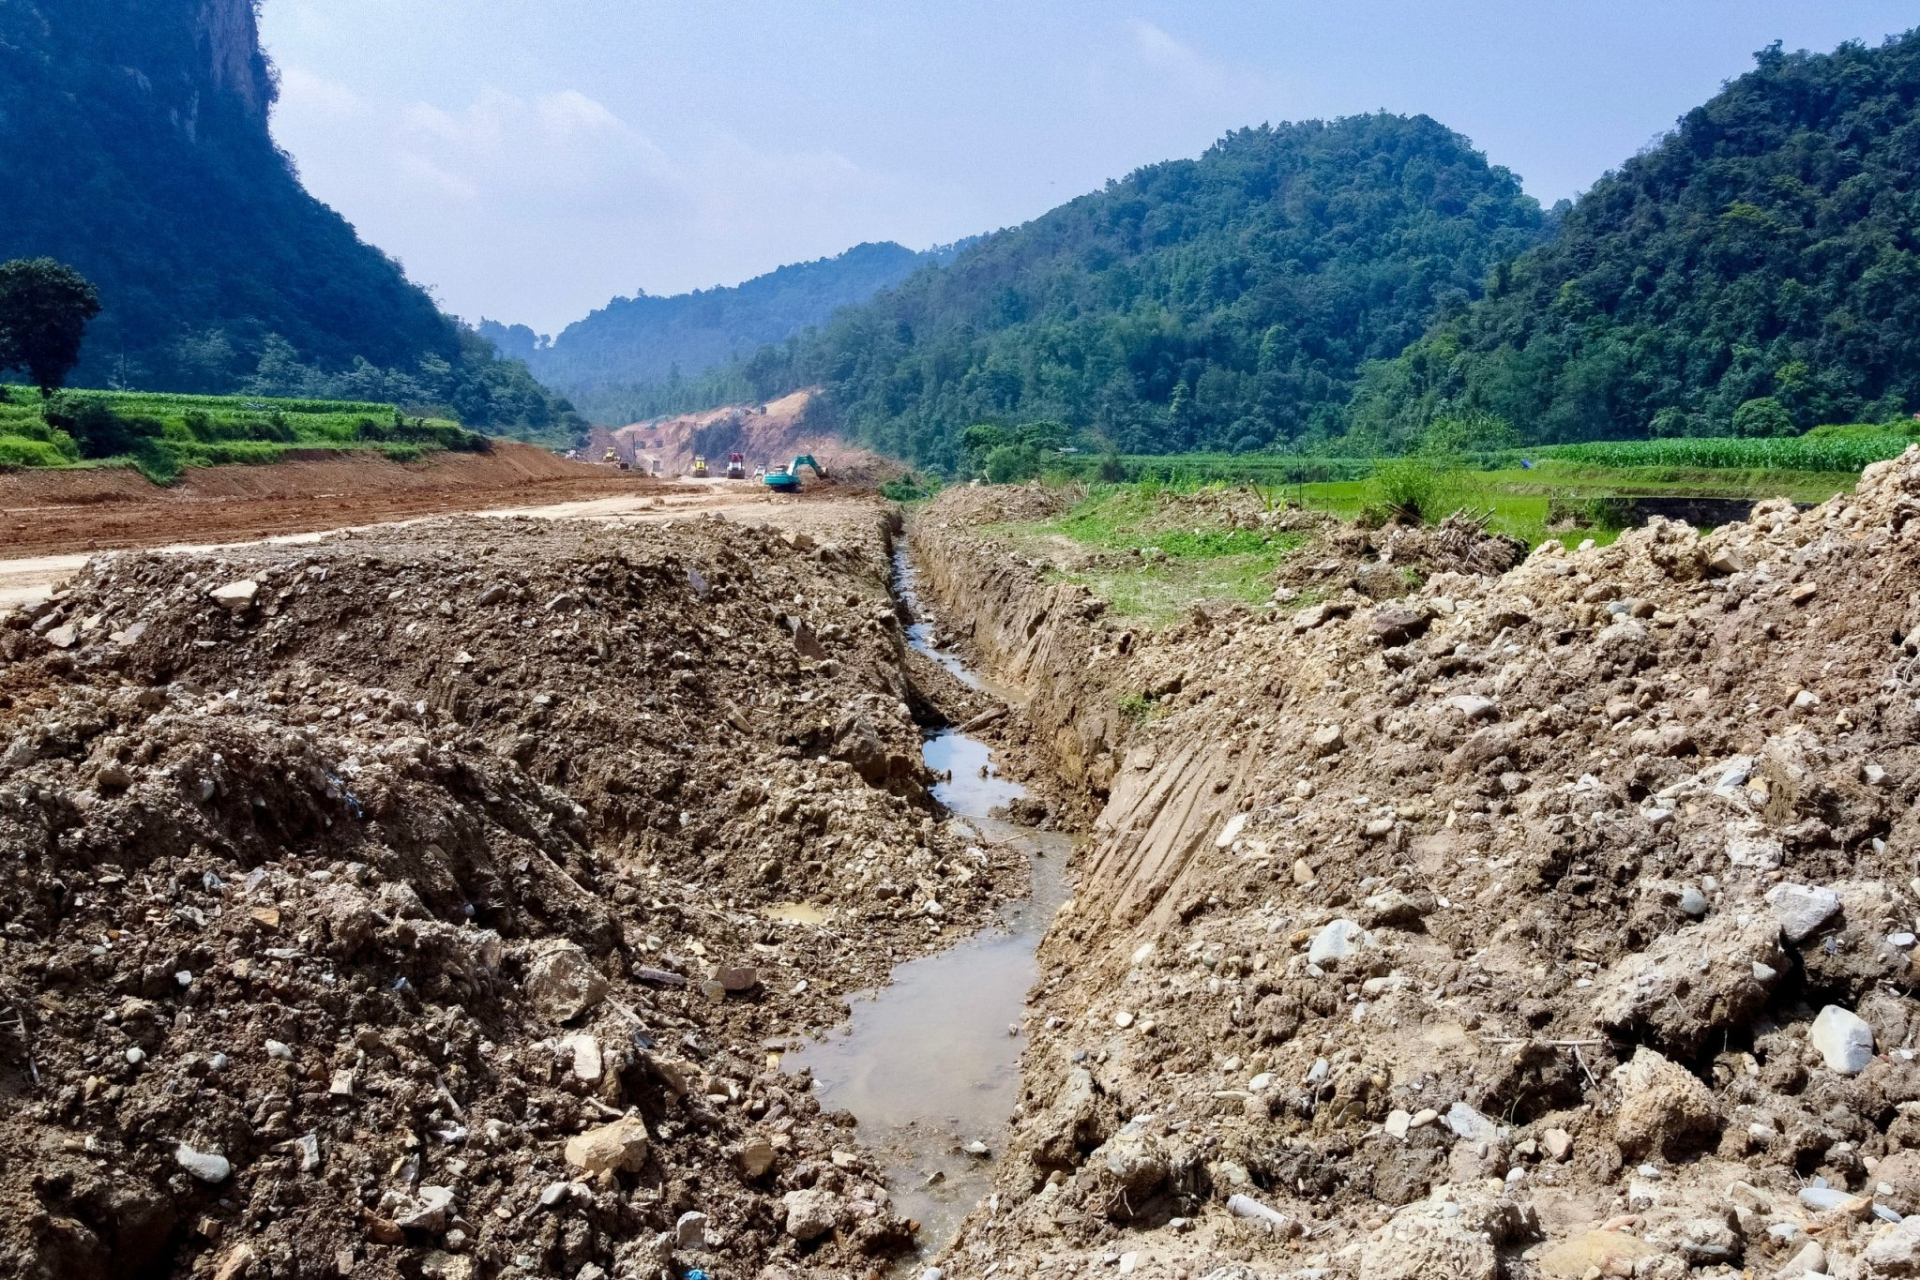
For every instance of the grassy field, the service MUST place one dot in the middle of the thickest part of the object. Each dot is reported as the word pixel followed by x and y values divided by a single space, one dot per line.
pixel 162 434
pixel 1146 557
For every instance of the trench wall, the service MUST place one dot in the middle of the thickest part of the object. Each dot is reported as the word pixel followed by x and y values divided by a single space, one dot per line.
pixel 1159 799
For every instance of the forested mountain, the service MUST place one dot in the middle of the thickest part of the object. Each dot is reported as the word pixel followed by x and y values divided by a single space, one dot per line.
pixel 134 146
pixel 1755 272
pixel 1223 301
pixel 645 338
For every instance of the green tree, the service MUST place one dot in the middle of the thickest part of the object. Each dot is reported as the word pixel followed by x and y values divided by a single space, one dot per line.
pixel 1762 417
pixel 45 307
pixel 980 440
pixel 1012 463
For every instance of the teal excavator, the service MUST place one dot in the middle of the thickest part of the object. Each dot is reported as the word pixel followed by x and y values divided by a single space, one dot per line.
pixel 787 479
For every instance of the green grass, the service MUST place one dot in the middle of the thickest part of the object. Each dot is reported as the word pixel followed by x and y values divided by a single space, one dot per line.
pixel 167 433
pixel 1146 557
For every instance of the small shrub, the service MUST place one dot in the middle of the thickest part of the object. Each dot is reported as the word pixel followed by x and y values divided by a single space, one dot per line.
pixel 1407 490
pixel 1012 464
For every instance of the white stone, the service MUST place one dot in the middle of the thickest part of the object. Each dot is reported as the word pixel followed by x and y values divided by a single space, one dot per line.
pixel 1801 909
pixel 208 1166
pixel 1398 1122
pixel 1470 1124
pixel 237 597
pixel 1338 940
pixel 1843 1040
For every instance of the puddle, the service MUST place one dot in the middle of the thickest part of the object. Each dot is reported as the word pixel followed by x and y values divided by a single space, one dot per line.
pixel 927 1064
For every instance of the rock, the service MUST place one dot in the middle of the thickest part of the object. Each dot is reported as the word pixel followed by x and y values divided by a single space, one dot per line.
pixel 1607 1253
pixel 736 978
pixel 588 1064
pixel 1557 1143
pixel 1457 1239
pixel 1395 909
pixel 1123 1019
pixel 1810 1260
pixel 63 637
pixel 340 1085
pixel 562 982
pixel 756 1156
pixel 620 1146
pixel 234 1262
pixel 690 1231
pixel 1465 1122
pixel 1692 902
pixel 1843 1040
pixel 207 1166
pixel 1692 983
pixel 1328 739
pixel 440 1264
pixel 1395 625
pixel 1336 941
pixel 1473 707
pixel 236 597
pixel 429 1212
pixel 1801 909
pixel 1398 1123
pixel 1896 1250
pixel 811 1213
pixel 1709 1241
pixel 1136 1166
pixel 1664 1109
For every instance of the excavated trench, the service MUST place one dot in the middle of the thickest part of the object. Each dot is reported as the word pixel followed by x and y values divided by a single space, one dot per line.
pixel 930 1063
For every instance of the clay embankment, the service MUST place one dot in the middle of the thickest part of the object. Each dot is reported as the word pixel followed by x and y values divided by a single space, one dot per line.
pixel 436 900
pixel 1556 922
pixel 52 512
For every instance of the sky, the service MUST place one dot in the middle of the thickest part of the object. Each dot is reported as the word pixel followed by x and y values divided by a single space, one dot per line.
pixel 526 160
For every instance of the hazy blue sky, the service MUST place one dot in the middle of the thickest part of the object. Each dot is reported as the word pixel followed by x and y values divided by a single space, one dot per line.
pixel 528 159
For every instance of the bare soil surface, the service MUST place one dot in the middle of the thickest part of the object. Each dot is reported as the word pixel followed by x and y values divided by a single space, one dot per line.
pixel 1544 921
pixel 438 899
pixel 58 512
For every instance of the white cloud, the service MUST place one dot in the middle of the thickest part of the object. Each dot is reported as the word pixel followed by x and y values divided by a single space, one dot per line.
pixel 1185 70
pixel 306 92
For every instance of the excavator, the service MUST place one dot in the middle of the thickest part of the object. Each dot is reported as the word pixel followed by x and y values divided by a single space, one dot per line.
pixel 612 458
pixel 787 479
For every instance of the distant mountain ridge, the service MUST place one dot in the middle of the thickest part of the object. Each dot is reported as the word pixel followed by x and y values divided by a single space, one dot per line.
pixel 646 338
pixel 1756 272
pixel 1223 302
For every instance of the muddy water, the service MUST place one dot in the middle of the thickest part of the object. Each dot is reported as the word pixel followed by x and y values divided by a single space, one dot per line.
pixel 929 1064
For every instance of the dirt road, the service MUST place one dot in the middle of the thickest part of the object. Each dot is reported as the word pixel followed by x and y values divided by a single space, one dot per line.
pixel 53 523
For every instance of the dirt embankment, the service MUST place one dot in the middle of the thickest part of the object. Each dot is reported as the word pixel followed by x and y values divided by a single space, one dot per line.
pixel 1556 922
pixel 55 512
pixel 768 434
pixel 412 903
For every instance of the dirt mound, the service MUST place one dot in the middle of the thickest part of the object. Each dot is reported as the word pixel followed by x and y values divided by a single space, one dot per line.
pixel 768 434
pixel 48 512
pixel 1537 924
pixel 401 904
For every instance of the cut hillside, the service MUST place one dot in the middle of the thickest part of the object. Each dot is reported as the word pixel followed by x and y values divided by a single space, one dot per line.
pixel 134 146
pixel 768 434
pixel 1765 250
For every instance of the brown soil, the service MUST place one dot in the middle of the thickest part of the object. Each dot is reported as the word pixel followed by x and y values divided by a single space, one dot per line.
pixel 55 512
pixel 770 433
pixel 1437 925
pixel 335 920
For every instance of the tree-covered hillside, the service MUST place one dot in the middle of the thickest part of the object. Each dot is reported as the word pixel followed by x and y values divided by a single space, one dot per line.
pixel 1219 302
pixel 1756 272
pixel 134 146
pixel 645 338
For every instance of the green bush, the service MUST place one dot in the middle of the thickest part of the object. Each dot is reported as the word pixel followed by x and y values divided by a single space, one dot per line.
pixel 1405 489
pixel 1012 464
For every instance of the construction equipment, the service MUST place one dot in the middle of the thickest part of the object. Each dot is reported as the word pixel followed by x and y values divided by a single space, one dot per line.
pixel 699 466
pixel 736 466
pixel 613 459
pixel 787 479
